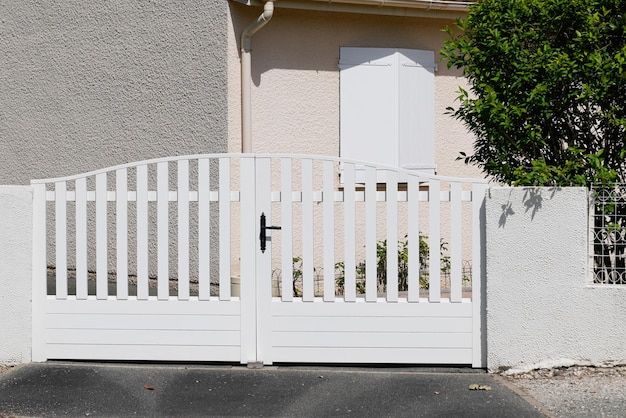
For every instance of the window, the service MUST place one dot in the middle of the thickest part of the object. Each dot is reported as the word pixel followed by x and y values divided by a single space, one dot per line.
pixel 387 106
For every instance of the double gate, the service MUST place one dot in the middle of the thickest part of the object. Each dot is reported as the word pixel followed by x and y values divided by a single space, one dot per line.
pixel 258 258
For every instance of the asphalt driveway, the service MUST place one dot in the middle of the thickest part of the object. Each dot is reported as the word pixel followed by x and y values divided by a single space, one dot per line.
pixel 116 390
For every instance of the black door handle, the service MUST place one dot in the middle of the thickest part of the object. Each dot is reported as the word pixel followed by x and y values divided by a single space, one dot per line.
pixel 262 235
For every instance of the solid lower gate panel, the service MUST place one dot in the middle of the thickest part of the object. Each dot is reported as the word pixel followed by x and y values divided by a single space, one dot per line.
pixel 362 332
pixel 142 330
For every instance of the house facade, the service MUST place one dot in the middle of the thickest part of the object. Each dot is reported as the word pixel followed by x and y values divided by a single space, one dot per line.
pixel 92 85
pixel 351 79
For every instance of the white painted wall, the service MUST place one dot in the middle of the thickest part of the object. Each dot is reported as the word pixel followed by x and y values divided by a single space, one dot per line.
pixel 542 309
pixel 16 227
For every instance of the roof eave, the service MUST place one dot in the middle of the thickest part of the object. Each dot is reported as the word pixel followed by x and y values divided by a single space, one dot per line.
pixel 425 8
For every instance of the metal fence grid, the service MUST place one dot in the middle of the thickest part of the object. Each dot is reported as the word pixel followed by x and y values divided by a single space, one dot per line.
pixel 608 226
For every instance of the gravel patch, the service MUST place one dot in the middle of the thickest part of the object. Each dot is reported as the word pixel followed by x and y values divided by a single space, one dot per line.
pixel 4 369
pixel 575 391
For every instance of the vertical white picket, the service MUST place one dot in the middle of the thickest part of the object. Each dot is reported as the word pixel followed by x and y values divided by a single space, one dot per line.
pixel 249 217
pixel 349 233
pixel 102 244
pixel 456 265
pixel 224 228
pixel 413 191
pixel 392 236
pixel 204 232
pixel 81 238
pixel 434 241
pixel 263 204
pixel 183 229
pixel 162 231
pixel 286 233
pixel 328 195
pixel 307 230
pixel 60 197
pixel 478 198
pixel 40 276
pixel 371 284
pixel 142 232
pixel 121 225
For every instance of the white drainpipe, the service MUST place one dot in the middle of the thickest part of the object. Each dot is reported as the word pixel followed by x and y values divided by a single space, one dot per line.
pixel 246 74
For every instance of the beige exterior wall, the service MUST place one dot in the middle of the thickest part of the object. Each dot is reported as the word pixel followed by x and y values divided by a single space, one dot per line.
pixel 295 74
pixel 295 92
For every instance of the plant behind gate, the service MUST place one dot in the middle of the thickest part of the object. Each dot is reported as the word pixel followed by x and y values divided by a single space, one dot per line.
pixel 403 266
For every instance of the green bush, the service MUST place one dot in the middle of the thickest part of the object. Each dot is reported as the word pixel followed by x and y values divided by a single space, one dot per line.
pixel 403 266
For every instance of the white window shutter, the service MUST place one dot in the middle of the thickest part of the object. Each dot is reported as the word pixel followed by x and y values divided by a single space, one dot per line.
pixel 387 106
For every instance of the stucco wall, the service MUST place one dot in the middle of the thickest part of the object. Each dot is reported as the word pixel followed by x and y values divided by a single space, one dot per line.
pixel 295 85
pixel 16 225
pixel 295 73
pixel 542 309
pixel 86 85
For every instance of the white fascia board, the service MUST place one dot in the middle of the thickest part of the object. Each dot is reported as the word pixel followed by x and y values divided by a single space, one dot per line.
pixel 442 9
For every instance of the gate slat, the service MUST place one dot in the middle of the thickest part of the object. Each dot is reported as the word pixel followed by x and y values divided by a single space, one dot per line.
pixel 392 236
pixel 261 202
pixel 60 189
pixel 307 230
pixel 371 285
pixel 329 231
pixel 287 225
pixel 249 241
pixel 349 233
pixel 102 242
pixel 456 279
pixel 163 289
pixel 224 227
pixel 204 232
pixel 121 225
pixel 40 276
pixel 478 196
pixel 183 229
pixel 142 232
pixel 413 239
pixel 81 238
pixel 434 241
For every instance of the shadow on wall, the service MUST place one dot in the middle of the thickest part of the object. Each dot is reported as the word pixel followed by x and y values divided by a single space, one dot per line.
pixel 532 201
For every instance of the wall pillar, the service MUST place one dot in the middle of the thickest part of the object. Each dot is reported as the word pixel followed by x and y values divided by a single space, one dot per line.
pixel 542 308
pixel 16 230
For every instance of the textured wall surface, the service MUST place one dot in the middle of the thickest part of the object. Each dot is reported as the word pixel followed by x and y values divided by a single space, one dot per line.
pixel 86 85
pixel 295 74
pixel 16 224
pixel 541 306
pixel 295 84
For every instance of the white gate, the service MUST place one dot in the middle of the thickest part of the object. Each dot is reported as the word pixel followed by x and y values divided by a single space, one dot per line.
pixel 137 262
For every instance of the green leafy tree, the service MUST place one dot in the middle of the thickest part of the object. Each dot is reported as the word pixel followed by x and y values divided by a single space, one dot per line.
pixel 547 98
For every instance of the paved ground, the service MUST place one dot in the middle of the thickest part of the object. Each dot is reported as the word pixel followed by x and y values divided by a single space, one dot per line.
pixel 97 389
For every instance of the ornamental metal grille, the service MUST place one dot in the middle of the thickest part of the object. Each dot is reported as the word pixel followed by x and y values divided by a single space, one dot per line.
pixel 608 226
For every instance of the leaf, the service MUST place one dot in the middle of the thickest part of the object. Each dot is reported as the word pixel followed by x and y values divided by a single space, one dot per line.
pixel 148 387
pixel 475 386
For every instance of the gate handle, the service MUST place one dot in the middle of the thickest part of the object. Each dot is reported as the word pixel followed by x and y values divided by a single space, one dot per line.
pixel 262 236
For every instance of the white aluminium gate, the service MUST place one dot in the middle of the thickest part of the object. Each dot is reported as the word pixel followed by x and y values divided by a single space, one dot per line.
pixel 258 258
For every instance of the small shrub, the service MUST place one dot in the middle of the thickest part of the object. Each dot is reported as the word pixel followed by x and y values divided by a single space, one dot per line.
pixel 403 266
